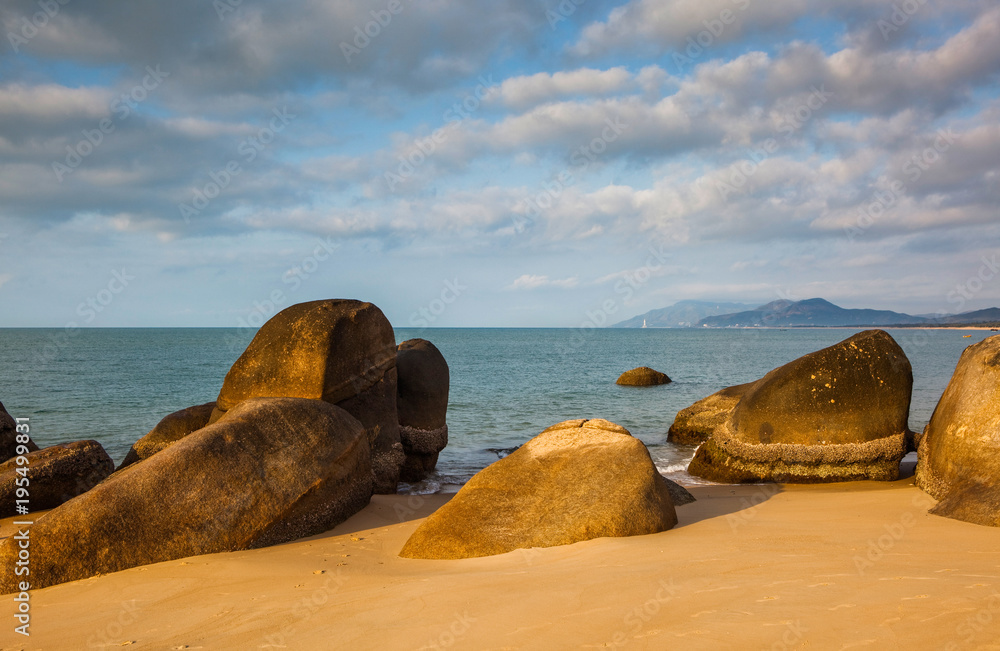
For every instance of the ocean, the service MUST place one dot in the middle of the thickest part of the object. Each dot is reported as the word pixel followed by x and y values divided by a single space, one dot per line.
pixel 507 384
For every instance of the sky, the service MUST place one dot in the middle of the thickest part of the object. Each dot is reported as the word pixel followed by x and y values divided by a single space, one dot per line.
pixel 507 163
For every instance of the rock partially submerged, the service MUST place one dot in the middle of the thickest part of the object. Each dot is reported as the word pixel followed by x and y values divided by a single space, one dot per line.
pixel 56 474
pixel 577 480
pixel 643 376
pixel 169 430
pixel 959 456
pixel 837 414
pixel 422 403
pixel 695 424
pixel 271 470
pixel 340 351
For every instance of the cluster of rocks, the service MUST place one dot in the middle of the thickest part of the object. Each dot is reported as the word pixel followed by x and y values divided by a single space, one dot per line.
pixel 54 474
pixel 305 428
pixel 840 414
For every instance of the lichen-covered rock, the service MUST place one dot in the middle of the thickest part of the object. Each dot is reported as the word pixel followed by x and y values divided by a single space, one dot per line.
pixel 271 470
pixel 339 351
pixel 172 428
pixel 695 424
pixel 56 474
pixel 838 414
pixel 422 385
pixel 8 436
pixel 577 480
pixel 959 456
pixel 642 376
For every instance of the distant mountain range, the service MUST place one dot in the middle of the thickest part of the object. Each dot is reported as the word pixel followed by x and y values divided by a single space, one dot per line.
pixel 790 314
pixel 683 314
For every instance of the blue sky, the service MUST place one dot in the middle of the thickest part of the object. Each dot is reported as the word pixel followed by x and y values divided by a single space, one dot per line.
pixel 512 163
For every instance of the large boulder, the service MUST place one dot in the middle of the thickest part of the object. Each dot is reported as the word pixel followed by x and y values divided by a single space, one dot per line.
pixel 959 457
pixel 838 414
pixel 9 436
pixel 643 376
pixel 695 424
pixel 422 404
pixel 271 470
pixel 55 474
pixel 578 480
pixel 339 351
pixel 172 428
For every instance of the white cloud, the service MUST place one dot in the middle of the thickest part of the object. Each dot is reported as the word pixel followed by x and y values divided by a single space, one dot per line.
pixel 531 282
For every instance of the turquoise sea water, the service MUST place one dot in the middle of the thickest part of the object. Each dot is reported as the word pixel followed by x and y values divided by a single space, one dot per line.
pixel 507 385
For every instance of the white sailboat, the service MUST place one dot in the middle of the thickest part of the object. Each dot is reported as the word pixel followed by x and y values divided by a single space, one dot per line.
pixel 644 323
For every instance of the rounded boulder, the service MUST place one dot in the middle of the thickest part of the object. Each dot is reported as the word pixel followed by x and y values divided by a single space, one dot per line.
pixel 838 414
pixel 270 471
pixel 340 351
pixel 577 480
pixel 643 376
pixel 959 455
pixel 422 383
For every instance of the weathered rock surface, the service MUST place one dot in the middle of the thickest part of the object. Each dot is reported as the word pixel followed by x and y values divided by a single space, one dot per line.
pixel 695 424
pixel 577 480
pixel 8 436
pixel 959 456
pixel 272 470
pixel 169 430
pixel 837 414
pixel 339 351
pixel 642 376
pixel 422 403
pixel 55 474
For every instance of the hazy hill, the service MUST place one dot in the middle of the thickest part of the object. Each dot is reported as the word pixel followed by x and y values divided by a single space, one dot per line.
pixel 810 312
pixel 682 314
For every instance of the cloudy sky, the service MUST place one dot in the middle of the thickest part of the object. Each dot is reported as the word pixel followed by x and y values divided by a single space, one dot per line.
pixel 510 163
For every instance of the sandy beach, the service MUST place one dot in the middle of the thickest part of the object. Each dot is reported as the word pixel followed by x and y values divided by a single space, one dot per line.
pixel 837 566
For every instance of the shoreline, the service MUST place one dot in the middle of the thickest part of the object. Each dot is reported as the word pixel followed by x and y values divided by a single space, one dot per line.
pixel 823 565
